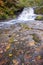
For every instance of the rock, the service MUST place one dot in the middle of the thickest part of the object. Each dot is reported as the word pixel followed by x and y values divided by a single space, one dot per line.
pixel 23 46
pixel 31 43
pixel 39 17
pixel 16 61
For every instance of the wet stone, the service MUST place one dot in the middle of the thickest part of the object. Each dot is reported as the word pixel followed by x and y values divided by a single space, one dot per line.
pixel 22 46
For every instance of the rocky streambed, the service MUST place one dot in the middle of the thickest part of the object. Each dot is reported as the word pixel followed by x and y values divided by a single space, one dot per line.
pixel 22 43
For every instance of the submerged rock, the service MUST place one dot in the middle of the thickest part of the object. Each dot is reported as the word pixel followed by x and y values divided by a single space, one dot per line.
pixel 22 46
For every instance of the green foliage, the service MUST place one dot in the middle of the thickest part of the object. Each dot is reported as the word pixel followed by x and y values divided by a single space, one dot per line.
pixel 39 10
pixel 8 7
pixel 3 16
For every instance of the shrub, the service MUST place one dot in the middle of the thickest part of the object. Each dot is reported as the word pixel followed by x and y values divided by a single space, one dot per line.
pixel 4 16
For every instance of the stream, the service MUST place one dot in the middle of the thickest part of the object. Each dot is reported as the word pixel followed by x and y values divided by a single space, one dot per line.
pixel 26 16
pixel 21 40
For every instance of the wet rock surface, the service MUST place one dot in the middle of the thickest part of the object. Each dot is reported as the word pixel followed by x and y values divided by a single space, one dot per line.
pixel 22 44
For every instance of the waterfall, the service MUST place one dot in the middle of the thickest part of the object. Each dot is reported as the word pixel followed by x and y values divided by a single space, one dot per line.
pixel 27 14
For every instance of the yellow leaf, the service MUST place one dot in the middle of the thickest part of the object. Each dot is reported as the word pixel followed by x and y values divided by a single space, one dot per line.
pixel 15 62
pixel 10 55
pixel 11 40
pixel 22 63
pixel 39 57
pixel 8 47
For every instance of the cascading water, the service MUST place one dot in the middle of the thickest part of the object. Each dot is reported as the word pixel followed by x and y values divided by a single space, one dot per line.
pixel 27 14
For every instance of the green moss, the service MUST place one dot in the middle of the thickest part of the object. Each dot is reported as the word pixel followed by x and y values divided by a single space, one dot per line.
pixel 24 26
pixel 14 16
pixel 11 40
pixel 35 37
pixel 39 18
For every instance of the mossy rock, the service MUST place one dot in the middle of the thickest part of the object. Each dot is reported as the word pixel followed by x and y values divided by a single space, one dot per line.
pixel 39 18
pixel 25 26
pixel 36 38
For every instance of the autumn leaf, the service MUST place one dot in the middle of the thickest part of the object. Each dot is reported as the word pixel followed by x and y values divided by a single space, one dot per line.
pixel 39 57
pixel 11 40
pixel 10 55
pixel 8 47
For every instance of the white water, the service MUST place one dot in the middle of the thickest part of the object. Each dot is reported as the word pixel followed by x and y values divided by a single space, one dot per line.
pixel 27 14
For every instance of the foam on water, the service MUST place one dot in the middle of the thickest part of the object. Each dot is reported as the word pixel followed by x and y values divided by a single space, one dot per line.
pixel 27 14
